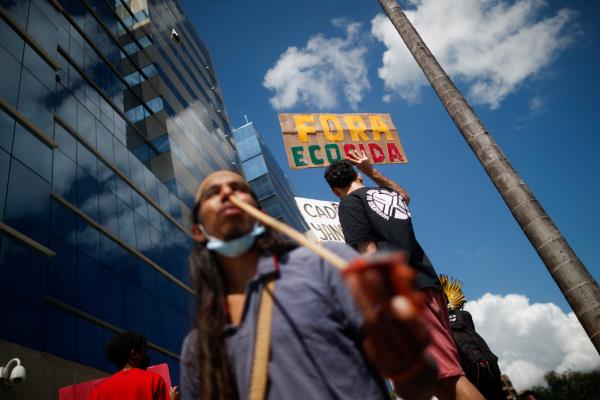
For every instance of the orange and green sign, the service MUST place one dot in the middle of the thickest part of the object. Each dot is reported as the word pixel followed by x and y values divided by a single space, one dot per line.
pixel 317 140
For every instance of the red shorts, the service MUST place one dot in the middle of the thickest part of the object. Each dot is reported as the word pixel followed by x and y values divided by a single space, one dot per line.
pixel 442 347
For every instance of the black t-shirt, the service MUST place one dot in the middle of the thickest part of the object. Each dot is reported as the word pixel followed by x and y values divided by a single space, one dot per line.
pixel 381 215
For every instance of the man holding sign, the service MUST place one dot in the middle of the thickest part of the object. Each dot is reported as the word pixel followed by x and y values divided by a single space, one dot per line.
pixel 377 219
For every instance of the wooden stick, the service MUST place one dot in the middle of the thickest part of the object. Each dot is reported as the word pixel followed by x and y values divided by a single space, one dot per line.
pixel 290 232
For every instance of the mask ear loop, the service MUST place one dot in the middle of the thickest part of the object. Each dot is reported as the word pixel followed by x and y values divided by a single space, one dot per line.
pixel 203 230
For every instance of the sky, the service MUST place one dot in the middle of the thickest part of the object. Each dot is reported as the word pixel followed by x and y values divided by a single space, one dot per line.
pixel 528 68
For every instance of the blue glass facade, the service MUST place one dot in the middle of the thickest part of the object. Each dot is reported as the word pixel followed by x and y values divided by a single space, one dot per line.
pixel 187 122
pixel 104 136
pixel 266 177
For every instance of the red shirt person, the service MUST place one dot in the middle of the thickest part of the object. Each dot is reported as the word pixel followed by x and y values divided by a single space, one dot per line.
pixel 129 352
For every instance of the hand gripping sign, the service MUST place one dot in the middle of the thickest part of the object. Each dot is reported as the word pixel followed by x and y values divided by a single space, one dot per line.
pixel 317 140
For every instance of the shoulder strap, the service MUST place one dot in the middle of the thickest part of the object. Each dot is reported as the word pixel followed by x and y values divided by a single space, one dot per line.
pixel 260 363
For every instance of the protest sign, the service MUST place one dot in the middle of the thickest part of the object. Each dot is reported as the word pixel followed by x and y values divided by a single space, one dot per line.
pixel 322 218
pixel 316 140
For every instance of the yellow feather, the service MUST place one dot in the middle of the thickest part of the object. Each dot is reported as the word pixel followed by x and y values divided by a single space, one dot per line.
pixel 453 289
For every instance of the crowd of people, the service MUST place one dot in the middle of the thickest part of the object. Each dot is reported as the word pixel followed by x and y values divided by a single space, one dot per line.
pixel 274 320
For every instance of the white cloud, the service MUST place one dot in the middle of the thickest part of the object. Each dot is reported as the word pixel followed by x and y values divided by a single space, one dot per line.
pixel 536 104
pixel 491 45
pixel 315 74
pixel 531 339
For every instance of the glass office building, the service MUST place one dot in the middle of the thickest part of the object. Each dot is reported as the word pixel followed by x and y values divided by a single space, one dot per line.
pixel 266 178
pixel 110 116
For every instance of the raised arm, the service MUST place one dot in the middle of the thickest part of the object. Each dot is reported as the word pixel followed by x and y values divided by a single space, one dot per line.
pixel 361 161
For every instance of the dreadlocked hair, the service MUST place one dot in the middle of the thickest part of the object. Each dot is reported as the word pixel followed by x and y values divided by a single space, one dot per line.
pixel 216 377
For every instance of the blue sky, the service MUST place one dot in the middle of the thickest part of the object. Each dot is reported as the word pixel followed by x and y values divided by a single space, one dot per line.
pixel 533 81
pixel 547 126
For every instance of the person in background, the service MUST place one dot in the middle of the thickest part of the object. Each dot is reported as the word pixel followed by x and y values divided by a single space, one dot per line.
pixel 377 219
pixel 129 352
pixel 330 336
pixel 476 358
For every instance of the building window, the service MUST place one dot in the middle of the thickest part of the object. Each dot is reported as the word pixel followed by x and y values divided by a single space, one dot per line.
pixel 140 112
pixel 271 206
pixel 132 48
pixel 254 167
pixel 248 148
pixel 262 186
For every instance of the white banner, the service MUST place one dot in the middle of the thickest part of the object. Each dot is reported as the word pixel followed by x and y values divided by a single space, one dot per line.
pixel 322 218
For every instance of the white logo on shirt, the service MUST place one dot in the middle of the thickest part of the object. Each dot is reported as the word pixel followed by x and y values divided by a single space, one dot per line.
pixel 387 204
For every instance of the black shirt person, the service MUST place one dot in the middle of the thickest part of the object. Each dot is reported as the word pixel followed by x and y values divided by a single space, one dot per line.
pixel 378 219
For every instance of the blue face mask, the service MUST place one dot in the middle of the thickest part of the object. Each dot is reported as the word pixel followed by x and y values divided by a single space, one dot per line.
pixel 235 247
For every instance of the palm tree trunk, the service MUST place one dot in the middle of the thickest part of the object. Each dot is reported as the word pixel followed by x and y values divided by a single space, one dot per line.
pixel 577 285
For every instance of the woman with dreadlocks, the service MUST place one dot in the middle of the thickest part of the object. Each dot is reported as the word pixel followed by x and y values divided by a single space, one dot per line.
pixel 323 341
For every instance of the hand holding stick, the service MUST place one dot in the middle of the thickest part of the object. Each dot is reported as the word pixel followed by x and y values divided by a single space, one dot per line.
pixel 395 337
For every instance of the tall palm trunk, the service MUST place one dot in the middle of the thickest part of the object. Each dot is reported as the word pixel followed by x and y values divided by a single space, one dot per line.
pixel 577 285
